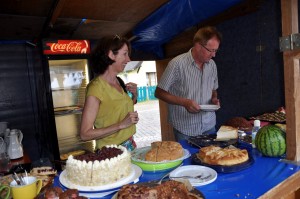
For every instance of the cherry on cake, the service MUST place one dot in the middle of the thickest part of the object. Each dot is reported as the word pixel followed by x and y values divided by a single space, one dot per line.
pixel 105 166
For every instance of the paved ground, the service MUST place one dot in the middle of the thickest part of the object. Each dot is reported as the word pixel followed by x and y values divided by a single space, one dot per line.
pixel 148 127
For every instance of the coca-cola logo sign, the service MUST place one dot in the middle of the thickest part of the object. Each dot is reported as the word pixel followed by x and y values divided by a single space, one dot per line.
pixel 66 47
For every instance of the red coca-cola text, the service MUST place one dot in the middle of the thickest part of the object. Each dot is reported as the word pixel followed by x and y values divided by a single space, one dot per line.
pixel 68 47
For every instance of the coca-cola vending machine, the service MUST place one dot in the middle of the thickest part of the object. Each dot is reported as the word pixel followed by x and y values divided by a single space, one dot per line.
pixel 69 75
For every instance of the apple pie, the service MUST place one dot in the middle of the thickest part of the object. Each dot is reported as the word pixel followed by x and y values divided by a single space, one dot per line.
pixel 228 156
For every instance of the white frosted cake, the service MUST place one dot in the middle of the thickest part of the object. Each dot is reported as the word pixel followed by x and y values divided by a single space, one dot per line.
pixel 105 166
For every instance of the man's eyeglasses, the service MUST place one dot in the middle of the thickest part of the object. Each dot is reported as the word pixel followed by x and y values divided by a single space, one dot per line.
pixel 209 50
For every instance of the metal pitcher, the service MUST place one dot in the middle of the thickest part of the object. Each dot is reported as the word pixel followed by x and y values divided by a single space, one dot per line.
pixel 15 148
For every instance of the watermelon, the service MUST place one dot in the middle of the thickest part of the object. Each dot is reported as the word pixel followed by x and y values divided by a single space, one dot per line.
pixel 270 141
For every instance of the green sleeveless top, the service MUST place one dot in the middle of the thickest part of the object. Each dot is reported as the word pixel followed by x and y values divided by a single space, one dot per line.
pixel 114 106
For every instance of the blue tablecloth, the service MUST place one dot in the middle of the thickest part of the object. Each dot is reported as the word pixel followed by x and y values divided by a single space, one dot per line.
pixel 250 183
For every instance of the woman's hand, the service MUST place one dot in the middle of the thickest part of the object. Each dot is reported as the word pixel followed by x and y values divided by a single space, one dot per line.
pixel 130 119
pixel 132 87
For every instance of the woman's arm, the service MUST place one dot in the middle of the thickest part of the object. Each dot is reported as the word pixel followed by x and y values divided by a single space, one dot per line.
pixel 90 110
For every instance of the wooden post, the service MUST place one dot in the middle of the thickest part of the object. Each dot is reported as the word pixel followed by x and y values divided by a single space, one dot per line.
pixel 166 128
pixel 289 10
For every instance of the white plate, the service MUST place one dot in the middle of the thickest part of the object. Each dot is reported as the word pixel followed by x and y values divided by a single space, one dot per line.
pixel 136 172
pixel 208 175
pixel 209 107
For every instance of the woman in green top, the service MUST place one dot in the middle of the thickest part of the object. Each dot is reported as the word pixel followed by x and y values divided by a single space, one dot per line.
pixel 108 115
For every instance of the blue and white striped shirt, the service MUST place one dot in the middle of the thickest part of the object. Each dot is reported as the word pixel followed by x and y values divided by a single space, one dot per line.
pixel 184 78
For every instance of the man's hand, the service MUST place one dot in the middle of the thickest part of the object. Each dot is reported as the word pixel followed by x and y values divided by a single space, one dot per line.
pixel 191 106
pixel 215 101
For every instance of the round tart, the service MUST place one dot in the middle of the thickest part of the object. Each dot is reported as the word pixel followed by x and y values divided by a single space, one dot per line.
pixel 229 156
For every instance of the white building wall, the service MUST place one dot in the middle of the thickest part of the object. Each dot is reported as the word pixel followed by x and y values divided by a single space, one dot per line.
pixel 138 76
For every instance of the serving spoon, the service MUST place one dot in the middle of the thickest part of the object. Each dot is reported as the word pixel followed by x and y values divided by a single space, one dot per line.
pixel 193 177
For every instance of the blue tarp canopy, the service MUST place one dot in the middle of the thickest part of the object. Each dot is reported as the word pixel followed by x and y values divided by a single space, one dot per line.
pixel 173 18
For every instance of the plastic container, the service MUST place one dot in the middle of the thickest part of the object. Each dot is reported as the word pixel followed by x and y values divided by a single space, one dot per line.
pixel 138 158
pixel 255 129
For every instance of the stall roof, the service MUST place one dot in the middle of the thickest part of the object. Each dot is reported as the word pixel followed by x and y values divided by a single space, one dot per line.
pixel 173 18
pixel 150 25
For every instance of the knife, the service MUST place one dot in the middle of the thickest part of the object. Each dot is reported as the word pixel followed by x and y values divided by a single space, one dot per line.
pixel 193 143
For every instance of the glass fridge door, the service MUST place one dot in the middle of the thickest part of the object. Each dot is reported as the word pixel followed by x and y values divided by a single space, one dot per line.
pixel 69 79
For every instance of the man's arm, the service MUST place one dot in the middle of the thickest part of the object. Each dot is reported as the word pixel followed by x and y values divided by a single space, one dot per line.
pixel 168 97
pixel 189 105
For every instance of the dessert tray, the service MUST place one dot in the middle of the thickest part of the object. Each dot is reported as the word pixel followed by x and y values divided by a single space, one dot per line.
pixel 207 140
pixel 224 169
pixel 138 158
pixel 271 117
pixel 153 184
pixel 197 175
pixel 209 107
pixel 99 191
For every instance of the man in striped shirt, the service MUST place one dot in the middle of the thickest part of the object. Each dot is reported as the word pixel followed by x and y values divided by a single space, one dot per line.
pixel 189 81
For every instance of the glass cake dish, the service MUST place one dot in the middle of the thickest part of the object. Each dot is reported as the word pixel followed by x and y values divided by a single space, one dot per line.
pixel 138 158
